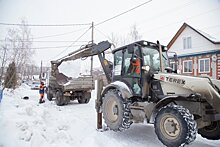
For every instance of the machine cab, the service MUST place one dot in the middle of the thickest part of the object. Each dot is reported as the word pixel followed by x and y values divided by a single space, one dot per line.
pixel 135 63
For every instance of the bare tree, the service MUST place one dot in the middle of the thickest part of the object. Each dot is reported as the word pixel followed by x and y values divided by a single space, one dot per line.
pixel 3 58
pixel 114 39
pixel 134 34
pixel 20 42
pixel 29 71
pixel 124 40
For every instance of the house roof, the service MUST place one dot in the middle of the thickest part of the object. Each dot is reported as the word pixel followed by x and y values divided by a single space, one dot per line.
pixel 205 35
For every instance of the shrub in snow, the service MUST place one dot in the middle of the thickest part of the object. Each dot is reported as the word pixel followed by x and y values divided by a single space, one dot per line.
pixel 11 76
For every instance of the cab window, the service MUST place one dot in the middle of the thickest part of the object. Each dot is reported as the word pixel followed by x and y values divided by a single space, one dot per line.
pixel 152 58
pixel 127 62
pixel 118 62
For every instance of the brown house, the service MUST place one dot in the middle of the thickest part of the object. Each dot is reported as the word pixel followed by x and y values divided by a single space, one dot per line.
pixel 198 53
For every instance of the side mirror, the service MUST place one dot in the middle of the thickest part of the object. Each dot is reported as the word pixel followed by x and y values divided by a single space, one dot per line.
pixel 175 57
pixel 172 55
pixel 170 70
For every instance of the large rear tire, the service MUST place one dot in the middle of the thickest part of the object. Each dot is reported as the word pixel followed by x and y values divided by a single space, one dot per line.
pixel 212 131
pixel 175 126
pixel 59 98
pixel 86 96
pixel 116 111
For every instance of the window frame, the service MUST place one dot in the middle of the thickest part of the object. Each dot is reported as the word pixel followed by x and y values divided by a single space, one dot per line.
pixel 187 63
pixel 187 42
pixel 172 64
pixel 117 68
pixel 204 59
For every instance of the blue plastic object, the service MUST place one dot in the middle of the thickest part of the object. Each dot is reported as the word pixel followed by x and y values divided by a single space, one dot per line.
pixel 1 94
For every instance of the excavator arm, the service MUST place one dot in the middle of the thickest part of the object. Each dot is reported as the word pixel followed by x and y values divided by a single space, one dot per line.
pixel 87 51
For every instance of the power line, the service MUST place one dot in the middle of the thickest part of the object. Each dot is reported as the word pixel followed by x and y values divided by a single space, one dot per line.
pixel 212 35
pixel 72 43
pixel 55 35
pixel 44 25
pixel 107 36
pixel 158 16
pixel 168 12
pixel 122 13
pixel 211 27
pixel 37 48
pixel 41 41
pixel 61 34
pixel 180 21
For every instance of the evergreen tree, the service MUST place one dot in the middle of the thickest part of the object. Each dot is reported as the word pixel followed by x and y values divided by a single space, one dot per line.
pixel 11 76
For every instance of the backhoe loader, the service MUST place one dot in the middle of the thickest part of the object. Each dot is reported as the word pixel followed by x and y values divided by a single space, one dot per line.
pixel 143 88
pixel 179 106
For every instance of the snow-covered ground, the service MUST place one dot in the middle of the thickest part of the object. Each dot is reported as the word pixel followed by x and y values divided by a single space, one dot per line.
pixel 24 123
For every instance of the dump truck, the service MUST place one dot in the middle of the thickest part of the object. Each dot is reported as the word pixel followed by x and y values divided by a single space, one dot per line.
pixel 64 88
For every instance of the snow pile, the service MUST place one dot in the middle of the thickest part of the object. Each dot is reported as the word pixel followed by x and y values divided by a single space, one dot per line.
pixel 25 123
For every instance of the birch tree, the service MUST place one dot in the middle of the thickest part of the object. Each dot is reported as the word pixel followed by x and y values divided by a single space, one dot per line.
pixel 20 43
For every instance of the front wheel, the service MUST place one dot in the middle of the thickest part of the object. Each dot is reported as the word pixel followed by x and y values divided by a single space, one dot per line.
pixel 212 131
pixel 59 98
pixel 175 126
pixel 116 111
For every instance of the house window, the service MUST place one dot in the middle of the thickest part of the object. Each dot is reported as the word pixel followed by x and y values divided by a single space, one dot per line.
pixel 187 66
pixel 187 43
pixel 173 65
pixel 204 65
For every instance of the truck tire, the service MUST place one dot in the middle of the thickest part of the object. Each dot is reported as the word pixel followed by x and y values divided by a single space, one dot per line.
pixel 211 132
pixel 66 100
pixel 116 111
pixel 59 98
pixel 175 126
pixel 49 94
pixel 85 98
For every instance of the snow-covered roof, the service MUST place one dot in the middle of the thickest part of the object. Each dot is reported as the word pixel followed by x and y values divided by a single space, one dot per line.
pixel 213 39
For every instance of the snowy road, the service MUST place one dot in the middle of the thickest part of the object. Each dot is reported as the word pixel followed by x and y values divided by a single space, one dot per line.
pixel 24 123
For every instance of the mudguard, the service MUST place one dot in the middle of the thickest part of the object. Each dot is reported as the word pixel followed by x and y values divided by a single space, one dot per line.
pixel 121 86
pixel 167 100
pixel 163 102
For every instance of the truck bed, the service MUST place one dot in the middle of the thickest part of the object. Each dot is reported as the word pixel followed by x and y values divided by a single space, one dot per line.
pixel 80 83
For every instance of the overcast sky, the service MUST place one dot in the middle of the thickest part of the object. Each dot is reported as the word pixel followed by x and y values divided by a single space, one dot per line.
pixel 157 20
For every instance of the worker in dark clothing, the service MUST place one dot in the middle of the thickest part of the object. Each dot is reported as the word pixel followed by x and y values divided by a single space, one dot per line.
pixel 41 91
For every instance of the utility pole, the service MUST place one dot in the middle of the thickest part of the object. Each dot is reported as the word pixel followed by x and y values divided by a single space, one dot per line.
pixel 40 77
pixel 92 43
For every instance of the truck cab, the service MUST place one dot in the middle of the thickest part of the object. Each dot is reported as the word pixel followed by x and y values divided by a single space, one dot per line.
pixel 134 65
